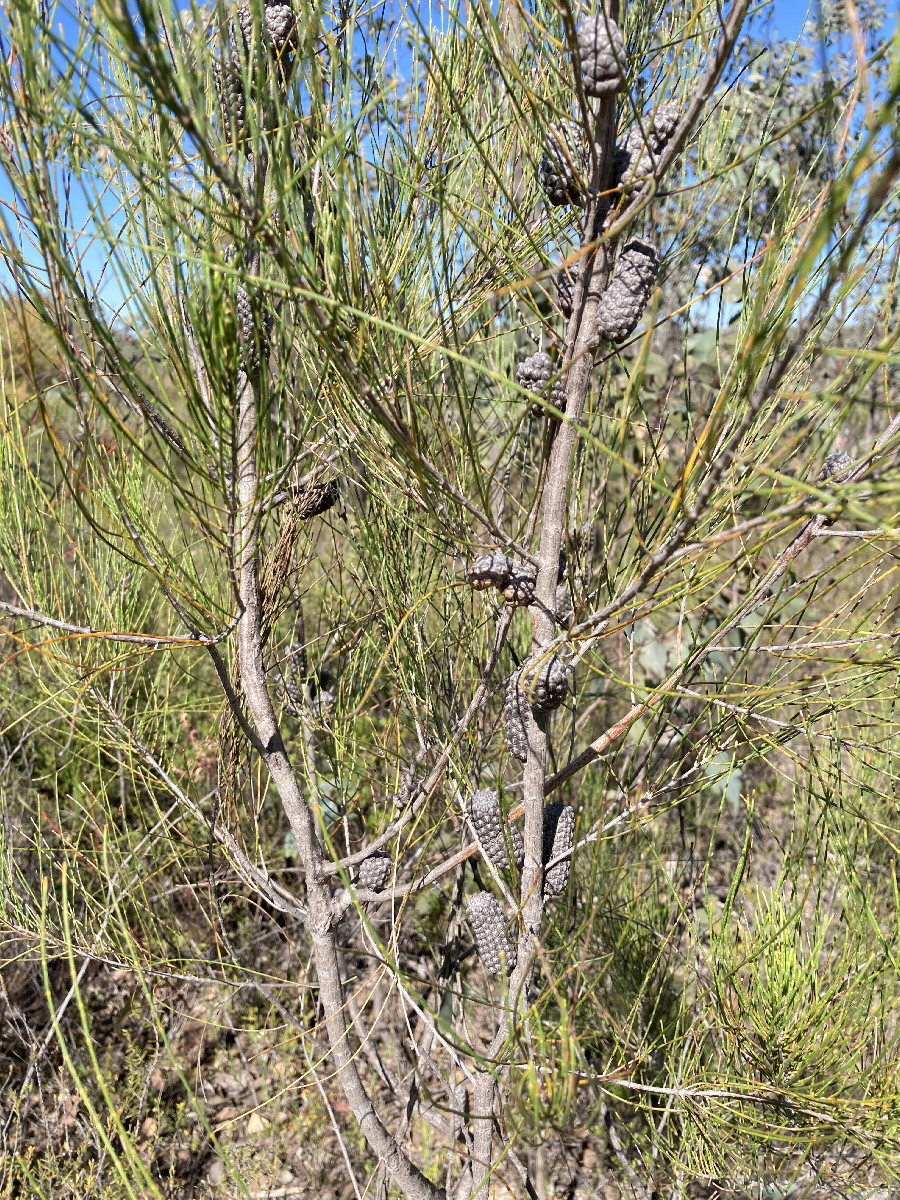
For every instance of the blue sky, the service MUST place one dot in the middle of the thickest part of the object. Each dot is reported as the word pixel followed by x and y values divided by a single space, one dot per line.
pixel 789 19
pixel 789 16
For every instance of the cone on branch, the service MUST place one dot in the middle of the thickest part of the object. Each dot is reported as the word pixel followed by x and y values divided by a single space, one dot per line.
pixel 278 30
pixel 316 498
pixel 558 395
pixel 489 570
pixel 558 838
pixel 487 821
pixel 242 34
pixel 515 582
pixel 545 682
pixel 834 470
pixel 374 872
pixel 636 155
pixel 663 124
pixel 541 685
pixel 557 398
pixel 232 101
pixel 563 602
pixel 247 332
pixel 564 287
pixel 633 161
pixel 322 693
pixel 835 467
pixel 601 55
pixel 295 674
pixel 254 331
pixel 561 169
pixel 497 952
pixel 534 372
pixel 622 304
pixel 281 29
pixel 519 588
pixel 516 714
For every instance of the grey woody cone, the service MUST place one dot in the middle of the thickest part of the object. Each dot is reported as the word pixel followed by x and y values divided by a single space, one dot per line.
pixel 834 467
pixel 545 682
pixel 317 498
pixel 557 398
pixel 564 287
pixel 561 169
pixel 516 713
pixel 563 602
pixel 487 821
pixel 489 926
pixel 374 872
pixel 232 102
pixel 534 372
pixel 635 157
pixel 244 29
pixel 624 301
pixel 322 694
pixel 246 331
pixel 559 832
pixel 489 570
pixel 279 29
pixel 519 588
pixel 295 672
pixel 633 161
pixel 558 395
pixel 663 124
pixel 601 55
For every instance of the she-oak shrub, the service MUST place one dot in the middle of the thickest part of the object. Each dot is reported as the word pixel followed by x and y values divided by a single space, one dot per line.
pixel 409 581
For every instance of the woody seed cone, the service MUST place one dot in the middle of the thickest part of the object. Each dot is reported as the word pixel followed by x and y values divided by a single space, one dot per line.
pixel 487 821
pixel 488 924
